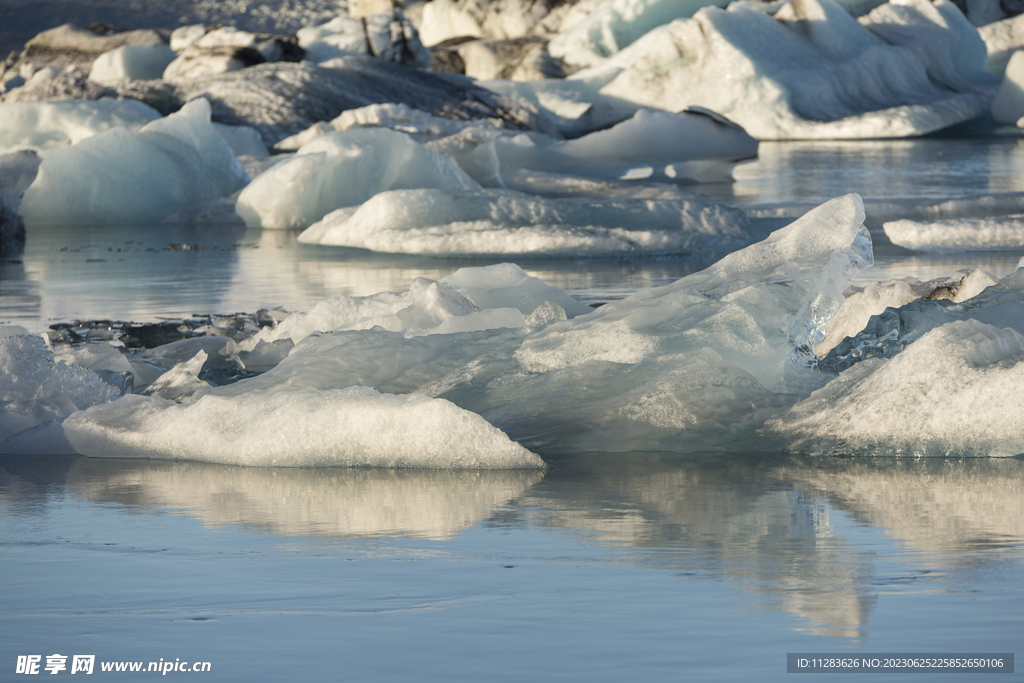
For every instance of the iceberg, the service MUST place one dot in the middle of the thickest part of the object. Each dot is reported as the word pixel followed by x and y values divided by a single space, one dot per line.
pixel 46 125
pixel 861 303
pixel 812 71
pixel 343 169
pixel 132 62
pixel 428 307
pixel 1002 39
pixel 890 332
pixel 953 392
pixel 691 146
pixel 508 222
pixel 35 388
pixel 121 177
pixel 17 172
pixel 958 234
pixel 1008 104
pixel 298 427
pixel 616 24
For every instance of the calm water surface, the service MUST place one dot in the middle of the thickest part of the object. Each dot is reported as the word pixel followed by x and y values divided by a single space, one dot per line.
pixel 607 567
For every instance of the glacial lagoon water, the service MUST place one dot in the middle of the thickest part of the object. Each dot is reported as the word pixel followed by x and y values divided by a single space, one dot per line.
pixel 607 567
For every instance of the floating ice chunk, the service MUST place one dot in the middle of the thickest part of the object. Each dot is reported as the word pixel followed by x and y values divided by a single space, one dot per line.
pixel 299 427
pixel 804 73
pixel 1008 105
pixel 103 358
pixel 564 100
pixel 616 24
pixel 888 333
pixel 46 438
pixel 120 177
pixel 1002 39
pixel 862 303
pixel 428 307
pixel 181 382
pixel 36 389
pixel 695 365
pixel 675 402
pixel 959 234
pixel 392 362
pixel 45 125
pixel 17 171
pixel 956 391
pixel 754 307
pixel 243 140
pixel 506 285
pixel 343 169
pixel 509 222
pixel 132 63
pixel 696 145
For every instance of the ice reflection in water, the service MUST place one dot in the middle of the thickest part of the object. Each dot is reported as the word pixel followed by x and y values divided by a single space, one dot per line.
pixel 805 536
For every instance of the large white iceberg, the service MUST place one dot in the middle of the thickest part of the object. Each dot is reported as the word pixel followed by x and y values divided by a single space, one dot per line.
pixel 120 176
pixel 811 71
pixel 615 24
pixel 508 222
pixel 343 169
pixel 45 125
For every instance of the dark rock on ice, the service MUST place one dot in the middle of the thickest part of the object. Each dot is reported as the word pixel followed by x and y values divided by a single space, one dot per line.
pixel 282 99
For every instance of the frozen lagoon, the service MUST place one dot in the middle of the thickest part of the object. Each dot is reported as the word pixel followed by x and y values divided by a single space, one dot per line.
pixel 634 564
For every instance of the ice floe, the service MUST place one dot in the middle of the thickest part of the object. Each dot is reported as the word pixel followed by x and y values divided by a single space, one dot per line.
pixel 959 234
pixel 615 24
pixel 132 62
pixel 119 176
pixel 34 388
pixel 509 222
pixel 906 68
pixel 343 169
pixel 45 125
pixel 767 349
pixel 287 426
pixel 954 392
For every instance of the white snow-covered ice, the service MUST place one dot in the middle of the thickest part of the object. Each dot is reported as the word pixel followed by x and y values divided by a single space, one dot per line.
pixel 959 234
pixel 507 222
pixel 45 125
pixel 810 71
pixel 120 176
pixel 343 169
